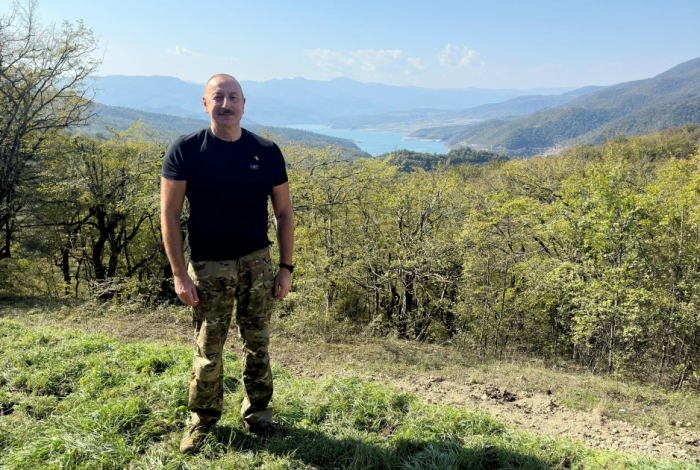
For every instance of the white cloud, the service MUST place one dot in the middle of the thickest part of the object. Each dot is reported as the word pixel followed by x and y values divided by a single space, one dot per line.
pixel 330 60
pixel 183 51
pixel 365 63
pixel 455 57
pixel 415 63
pixel 371 60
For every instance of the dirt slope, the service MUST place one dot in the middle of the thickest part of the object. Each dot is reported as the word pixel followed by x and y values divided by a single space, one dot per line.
pixel 538 411
pixel 543 414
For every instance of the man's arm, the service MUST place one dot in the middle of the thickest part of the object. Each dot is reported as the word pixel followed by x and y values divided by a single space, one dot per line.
pixel 282 207
pixel 172 196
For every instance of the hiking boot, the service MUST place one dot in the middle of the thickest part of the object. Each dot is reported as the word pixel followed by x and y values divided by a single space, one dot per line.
pixel 267 431
pixel 192 441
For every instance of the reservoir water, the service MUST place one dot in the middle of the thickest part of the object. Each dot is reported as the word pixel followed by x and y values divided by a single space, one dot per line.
pixel 375 143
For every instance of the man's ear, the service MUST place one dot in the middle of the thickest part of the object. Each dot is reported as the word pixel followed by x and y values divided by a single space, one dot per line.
pixel 204 102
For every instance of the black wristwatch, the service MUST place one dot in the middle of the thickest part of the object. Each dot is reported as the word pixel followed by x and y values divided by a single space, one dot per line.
pixel 289 267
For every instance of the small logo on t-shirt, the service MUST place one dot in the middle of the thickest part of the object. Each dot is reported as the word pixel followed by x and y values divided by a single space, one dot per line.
pixel 253 167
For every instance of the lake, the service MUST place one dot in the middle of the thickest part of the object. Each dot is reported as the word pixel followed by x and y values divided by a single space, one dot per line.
pixel 375 143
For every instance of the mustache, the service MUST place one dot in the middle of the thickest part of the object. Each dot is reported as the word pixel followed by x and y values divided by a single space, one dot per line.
pixel 226 112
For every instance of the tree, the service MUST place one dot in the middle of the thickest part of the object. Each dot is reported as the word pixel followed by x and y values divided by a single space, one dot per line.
pixel 42 91
pixel 97 211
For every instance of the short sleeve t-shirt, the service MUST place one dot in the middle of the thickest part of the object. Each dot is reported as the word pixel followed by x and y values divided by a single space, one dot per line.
pixel 228 185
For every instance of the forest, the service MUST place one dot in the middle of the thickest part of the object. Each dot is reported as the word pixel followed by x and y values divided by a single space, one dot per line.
pixel 591 256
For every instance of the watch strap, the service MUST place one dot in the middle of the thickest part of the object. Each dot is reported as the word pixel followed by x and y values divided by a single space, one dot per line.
pixel 289 267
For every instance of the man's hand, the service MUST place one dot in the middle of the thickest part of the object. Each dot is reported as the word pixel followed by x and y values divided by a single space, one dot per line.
pixel 283 282
pixel 186 290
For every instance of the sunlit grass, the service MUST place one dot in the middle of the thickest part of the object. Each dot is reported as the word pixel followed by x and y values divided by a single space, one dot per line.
pixel 75 400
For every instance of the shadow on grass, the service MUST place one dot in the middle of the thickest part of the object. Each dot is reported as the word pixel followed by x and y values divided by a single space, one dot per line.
pixel 8 299
pixel 319 450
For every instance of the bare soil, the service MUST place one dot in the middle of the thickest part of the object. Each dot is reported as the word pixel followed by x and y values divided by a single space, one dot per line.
pixel 526 407
pixel 538 412
pixel 542 413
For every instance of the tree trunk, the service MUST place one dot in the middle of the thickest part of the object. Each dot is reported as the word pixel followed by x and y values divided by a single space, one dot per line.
pixel 65 269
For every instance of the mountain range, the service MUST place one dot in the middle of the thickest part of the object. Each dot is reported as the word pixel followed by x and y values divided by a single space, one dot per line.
pixel 514 122
pixel 669 99
pixel 413 119
pixel 297 100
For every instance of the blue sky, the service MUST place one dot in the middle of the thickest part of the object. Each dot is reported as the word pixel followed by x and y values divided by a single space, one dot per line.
pixel 437 43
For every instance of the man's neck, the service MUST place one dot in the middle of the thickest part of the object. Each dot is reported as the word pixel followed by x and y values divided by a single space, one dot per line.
pixel 229 134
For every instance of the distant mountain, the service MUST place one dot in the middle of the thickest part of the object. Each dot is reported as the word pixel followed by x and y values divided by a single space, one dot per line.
pixel 346 97
pixel 177 111
pixel 650 119
pixel 518 91
pixel 153 93
pixel 668 99
pixel 413 119
pixel 164 128
pixel 294 101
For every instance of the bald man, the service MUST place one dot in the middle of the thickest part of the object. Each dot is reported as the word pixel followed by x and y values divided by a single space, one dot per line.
pixel 227 174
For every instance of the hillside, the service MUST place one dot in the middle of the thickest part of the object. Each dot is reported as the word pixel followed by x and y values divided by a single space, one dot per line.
pixel 448 132
pixel 165 128
pixel 413 119
pixel 501 255
pixel 536 133
pixel 669 99
pixel 650 119
pixel 523 405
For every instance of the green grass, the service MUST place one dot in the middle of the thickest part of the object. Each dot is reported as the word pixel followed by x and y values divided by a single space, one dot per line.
pixel 644 403
pixel 75 400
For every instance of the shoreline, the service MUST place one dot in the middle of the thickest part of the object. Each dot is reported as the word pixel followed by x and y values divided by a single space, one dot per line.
pixel 376 141
pixel 418 139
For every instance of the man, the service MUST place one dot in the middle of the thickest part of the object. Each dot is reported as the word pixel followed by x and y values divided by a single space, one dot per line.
pixel 227 174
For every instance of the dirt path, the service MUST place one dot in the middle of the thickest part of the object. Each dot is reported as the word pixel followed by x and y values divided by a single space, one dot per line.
pixel 541 413
pixel 537 412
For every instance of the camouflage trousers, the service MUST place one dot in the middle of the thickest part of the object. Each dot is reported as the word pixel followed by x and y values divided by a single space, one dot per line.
pixel 246 282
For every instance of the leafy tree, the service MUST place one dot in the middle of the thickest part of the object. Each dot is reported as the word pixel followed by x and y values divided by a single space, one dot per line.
pixel 98 217
pixel 408 160
pixel 42 91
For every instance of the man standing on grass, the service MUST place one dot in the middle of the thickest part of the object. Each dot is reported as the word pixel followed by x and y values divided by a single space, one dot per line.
pixel 227 174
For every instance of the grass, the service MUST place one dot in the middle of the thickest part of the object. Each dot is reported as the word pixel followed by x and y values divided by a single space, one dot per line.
pixel 381 360
pixel 644 404
pixel 70 399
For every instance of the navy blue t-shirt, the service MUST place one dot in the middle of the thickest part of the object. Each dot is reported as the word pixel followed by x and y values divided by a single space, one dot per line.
pixel 228 184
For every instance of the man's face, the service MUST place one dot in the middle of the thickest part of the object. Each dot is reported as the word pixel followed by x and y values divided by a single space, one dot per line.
pixel 223 101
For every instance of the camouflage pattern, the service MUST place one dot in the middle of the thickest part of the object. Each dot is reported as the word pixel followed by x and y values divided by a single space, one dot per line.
pixel 246 282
